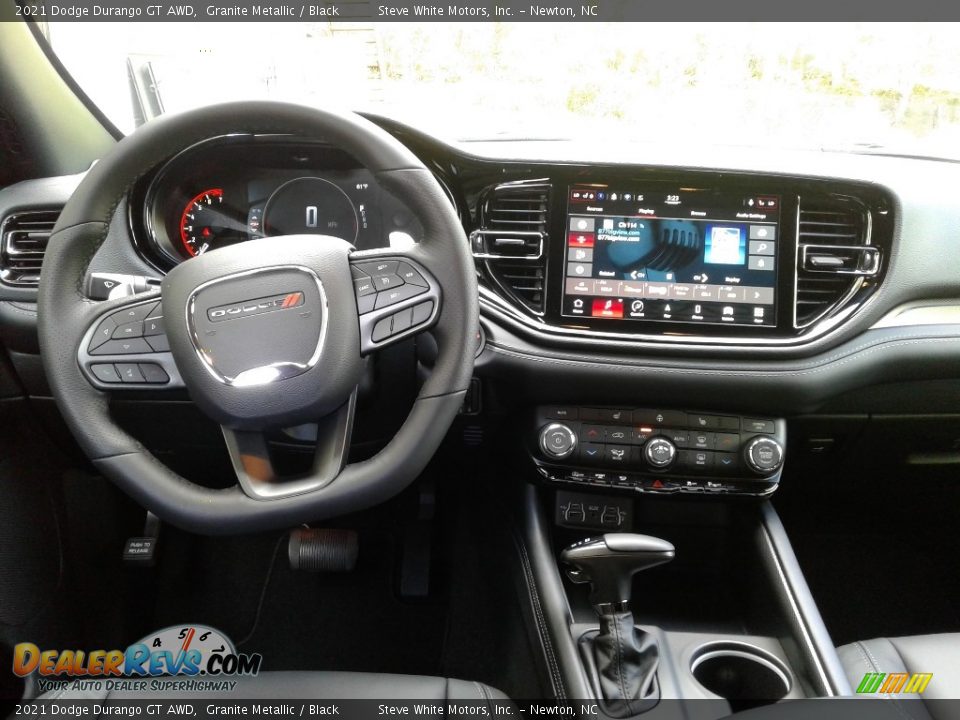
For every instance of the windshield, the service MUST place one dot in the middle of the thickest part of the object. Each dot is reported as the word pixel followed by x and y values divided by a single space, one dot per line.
pixel 894 87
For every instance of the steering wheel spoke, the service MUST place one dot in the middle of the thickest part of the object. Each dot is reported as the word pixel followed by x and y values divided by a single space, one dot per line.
pixel 257 475
pixel 126 348
pixel 396 298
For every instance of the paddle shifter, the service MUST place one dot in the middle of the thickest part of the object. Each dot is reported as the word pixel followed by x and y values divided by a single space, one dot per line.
pixel 623 657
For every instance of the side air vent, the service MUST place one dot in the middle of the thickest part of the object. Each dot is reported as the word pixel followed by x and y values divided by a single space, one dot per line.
pixel 833 255
pixel 23 240
pixel 512 239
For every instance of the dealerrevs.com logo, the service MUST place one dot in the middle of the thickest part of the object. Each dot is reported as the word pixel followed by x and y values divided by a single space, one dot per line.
pixel 177 658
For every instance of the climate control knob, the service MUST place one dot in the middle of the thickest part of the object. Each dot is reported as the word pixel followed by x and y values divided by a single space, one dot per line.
pixel 558 441
pixel 763 455
pixel 659 452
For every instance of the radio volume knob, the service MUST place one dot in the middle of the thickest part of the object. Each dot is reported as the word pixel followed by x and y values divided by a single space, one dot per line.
pixel 659 452
pixel 763 455
pixel 558 441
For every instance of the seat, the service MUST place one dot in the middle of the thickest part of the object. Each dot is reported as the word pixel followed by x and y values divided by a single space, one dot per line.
pixel 937 654
pixel 318 685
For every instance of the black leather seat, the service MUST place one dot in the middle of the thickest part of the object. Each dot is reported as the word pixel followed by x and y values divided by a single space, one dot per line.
pixel 320 685
pixel 937 654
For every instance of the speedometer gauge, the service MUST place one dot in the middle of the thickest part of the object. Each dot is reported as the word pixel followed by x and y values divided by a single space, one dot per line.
pixel 205 224
pixel 311 206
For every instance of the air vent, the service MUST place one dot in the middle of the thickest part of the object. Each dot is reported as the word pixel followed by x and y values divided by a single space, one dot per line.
pixel 512 239
pixel 833 255
pixel 23 240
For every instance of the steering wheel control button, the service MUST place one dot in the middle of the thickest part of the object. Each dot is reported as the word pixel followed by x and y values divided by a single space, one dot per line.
pixel 153 374
pixel 763 455
pixel 381 268
pixel 409 275
pixel 382 330
pixel 401 321
pixel 133 346
pixel 659 453
pixel 105 372
pixel 385 282
pixel 153 326
pixel 159 343
pixel 128 330
pixel 392 297
pixel 132 314
pixel 130 372
pixel 759 426
pixel 102 334
pixel 422 313
pixel 558 441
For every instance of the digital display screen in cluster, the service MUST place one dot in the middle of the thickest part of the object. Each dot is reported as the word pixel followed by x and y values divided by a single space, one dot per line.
pixel 677 256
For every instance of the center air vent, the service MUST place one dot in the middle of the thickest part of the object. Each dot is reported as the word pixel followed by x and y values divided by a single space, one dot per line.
pixel 512 239
pixel 23 240
pixel 833 255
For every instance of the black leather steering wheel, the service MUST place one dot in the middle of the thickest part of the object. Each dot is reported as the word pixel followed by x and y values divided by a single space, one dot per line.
pixel 264 334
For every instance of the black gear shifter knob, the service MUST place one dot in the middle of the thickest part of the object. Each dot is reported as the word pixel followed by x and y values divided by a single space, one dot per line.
pixel 610 561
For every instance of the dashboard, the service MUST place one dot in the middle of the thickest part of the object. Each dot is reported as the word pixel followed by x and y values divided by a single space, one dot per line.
pixel 237 188
pixel 759 283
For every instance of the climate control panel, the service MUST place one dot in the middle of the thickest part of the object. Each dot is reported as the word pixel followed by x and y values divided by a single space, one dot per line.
pixel 659 451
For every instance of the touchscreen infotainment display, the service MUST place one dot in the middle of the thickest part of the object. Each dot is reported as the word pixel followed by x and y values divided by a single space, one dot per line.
pixel 676 256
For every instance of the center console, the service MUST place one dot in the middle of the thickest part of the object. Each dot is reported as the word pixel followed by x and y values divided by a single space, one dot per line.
pixel 649 450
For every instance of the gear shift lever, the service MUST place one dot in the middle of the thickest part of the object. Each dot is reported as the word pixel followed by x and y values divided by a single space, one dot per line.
pixel 624 658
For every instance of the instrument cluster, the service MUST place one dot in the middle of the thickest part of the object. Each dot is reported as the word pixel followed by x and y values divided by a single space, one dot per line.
pixel 238 188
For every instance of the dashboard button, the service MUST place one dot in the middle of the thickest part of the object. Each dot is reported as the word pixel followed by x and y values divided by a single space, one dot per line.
pixel 153 326
pixel 697 461
pixel 128 330
pixel 680 438
pixel 615 415
pixel 410 275
pixel 105 372
pixel 728 422
pixel 559 412
pixel 726 442
pixel 614 455
pixel 591 453
pixel 659 453
pixel 726 463
pixel 130 372
pixel 103 333
pixel 758 426
pixel 703 422
pixel 123 347
pixel 154 374
pixel 660 418
pixel 618 434
pixel 642 434
pixel 702 440
pixel 592 433
pixel 391 297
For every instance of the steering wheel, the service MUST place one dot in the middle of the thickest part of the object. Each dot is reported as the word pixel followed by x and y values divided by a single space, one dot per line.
pixel 264 334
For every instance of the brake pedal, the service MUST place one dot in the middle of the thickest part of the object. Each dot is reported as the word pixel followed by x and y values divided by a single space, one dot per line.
pixel 322 550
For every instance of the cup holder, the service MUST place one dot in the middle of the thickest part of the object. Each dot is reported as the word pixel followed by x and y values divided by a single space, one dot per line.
pixel 742 674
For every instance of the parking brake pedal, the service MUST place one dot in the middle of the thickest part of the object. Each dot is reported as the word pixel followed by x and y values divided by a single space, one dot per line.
pixel 322 550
